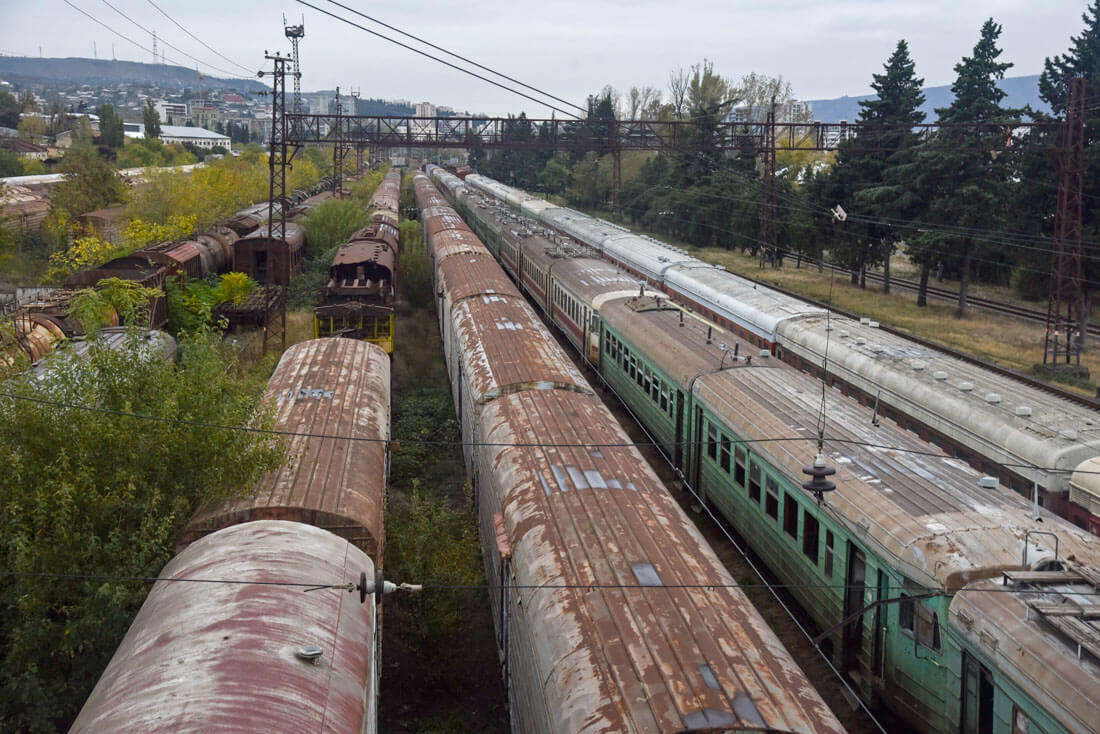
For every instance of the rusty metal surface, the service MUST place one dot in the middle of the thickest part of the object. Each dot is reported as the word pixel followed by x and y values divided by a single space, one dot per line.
pixel 622 659
pixel 596 644
pixel 436 219
pixel 270 246
pixel 471 274
pixel 426 194
pixel 222 657
pixel 505 347
pixel 1040 661
pixel 387 196
pixel 442 245
pixel 324 387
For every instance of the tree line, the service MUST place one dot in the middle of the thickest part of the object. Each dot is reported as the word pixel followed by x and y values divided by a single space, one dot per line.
pixel 968 201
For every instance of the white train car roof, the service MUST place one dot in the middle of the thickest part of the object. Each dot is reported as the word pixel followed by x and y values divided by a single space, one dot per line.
pixel 752 306
pixel 445 178
pixel 1009 421
pixel 487 185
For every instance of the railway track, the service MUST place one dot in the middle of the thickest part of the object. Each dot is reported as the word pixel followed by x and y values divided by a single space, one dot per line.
pixel 944 294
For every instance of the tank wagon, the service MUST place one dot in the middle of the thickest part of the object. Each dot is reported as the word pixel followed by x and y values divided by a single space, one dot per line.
pixel 593 563
pixel 357 300
pixel 1019 436
pixel 259 656
pixel 960 605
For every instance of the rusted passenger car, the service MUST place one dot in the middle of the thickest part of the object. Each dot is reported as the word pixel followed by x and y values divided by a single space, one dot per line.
pixel 357 301
pixel 324 387
pixel 270 251
pixel 602 621
pixel 250 656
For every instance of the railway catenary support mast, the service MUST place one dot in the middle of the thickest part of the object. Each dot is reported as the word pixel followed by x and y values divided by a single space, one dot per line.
pixel 1066 318
pixel 281 153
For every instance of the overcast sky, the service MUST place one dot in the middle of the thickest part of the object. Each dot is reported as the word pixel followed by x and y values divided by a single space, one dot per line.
pixel 570 48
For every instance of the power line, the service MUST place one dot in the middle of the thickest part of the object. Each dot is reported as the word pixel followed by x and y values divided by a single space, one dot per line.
pixel 503 444
pixel 351 585
pixel 436 58
pixel 458 56
pixel 176 48
pixel 250 71
pixel 112 30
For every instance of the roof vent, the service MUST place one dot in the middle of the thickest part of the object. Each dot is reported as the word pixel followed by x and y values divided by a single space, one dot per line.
pixel 843 333
pixel 877 348
pixel 992 397
pixel 939 375
pixel 1023 411
pixel 1068 434
pixel 917 365
pixel 828 327
pixel 309 653
pixel 966 386
pixel 988 482
pixel 765 353
pixel 873 324
pixel 865 321
pixel 860 340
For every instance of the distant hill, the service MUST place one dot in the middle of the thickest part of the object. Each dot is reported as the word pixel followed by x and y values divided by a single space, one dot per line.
pixel 26 70
pixel 1020 90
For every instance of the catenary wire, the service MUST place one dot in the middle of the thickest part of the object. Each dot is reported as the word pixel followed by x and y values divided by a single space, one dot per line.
pixel 212 50
pixel 458 56
pixel 112 30
pixel 345 585
pixel 166 43
pixel 434 58
pixel 504 444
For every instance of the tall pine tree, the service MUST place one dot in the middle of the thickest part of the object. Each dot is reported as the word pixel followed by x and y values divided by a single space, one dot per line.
pixel 1082 60
pixel 965 173
pixel 861 181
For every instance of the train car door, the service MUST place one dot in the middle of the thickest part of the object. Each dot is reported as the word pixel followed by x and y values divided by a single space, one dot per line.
pixel 977 697
pixel 879 627
pixel 678 446
pixel 853 602
pixel 696 457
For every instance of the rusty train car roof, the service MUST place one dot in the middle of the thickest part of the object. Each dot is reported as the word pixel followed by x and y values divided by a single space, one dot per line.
pixel 222 657
pixel 439 218
pixel 505 348
pixel 294 235
pixel 603 554
pixel 626 648
pixel 447 242
pixel 473 274
pixel 330 388
pixel 387 196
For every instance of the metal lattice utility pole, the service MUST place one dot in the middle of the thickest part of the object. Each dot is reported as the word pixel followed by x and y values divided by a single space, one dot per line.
pixel 768 244
pixel 338 151
pixel 295 33
pixel 1065 322
pixel 278 160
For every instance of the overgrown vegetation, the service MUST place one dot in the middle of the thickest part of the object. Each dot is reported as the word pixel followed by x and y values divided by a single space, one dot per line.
pixel 97 307
pixel 327 228
pixel 414 267
pixel 92 499
pixel 191 303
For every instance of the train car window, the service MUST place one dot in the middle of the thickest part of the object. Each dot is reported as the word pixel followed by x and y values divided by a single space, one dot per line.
pixel 712 440
pixel 724 461
pixel 754 481
pixel 810 530
pixel 739 467
pixel 633 368
pixel 664 399
pixel 1021 723
pixel 917 620
pixel 830 552
pixel 771 501
pixel 655 391
pixel 790 515
pixel 645 380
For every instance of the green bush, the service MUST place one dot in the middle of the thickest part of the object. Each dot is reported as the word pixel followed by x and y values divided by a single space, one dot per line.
pixel 332 223
pixel 100 497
